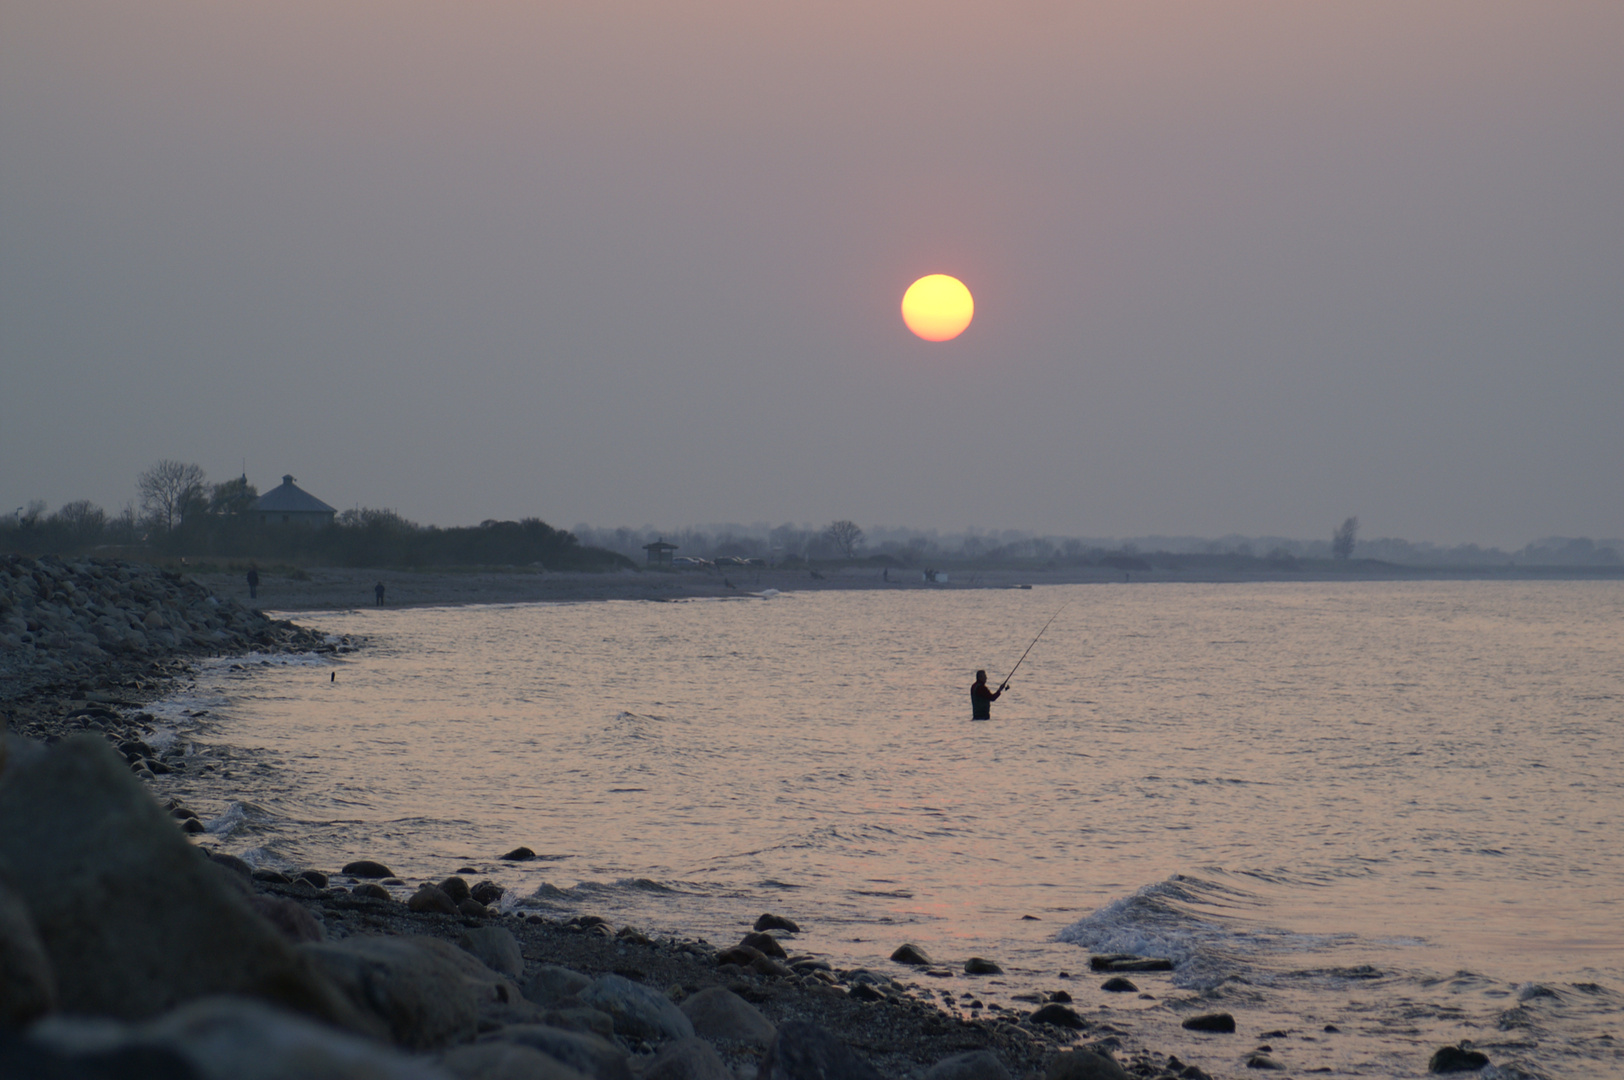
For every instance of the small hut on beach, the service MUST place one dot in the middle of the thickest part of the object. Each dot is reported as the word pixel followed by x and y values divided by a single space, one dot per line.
pixel 659 551
pixel 290 504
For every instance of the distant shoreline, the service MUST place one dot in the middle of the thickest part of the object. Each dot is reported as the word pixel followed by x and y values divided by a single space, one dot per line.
pixel 329 588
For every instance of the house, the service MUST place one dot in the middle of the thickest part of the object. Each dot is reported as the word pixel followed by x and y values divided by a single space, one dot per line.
pixel 659 551
pixel 291 505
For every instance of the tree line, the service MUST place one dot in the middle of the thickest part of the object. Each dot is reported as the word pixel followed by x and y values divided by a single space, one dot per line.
pixel 181 515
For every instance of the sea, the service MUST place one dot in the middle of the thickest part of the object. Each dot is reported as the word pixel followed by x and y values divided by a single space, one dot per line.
pixel 1366 819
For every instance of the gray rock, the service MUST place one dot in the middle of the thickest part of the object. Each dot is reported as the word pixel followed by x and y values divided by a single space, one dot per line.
pixel 805 1051
pixel 518 854
pixel 911 954
pixel 552 983
pixel 230 1038
pixel 580 1018
pixel 1261 1060
pixel 720 1015
pixel 639 1011
pixel 1116 984
pixel 1084 1065
pixel 425 992
pixel 1448 1059
pixel 27 983
pixel 1124 962
pixel 776 922
pixel 1059 1016
pixel 232 863
pixel 456 888
pixel 314 877
pixel 765 944
pixel 134 922
pixel 598 1058
pixel 505 1061
pixel 289 917
pixel 687 1059
pixel 496 948
pixel 366 868
pixel 1220 1022
pixel 971 1065
pixel 977 966
pixel 487 892
pixel 432 898
pixel 372 889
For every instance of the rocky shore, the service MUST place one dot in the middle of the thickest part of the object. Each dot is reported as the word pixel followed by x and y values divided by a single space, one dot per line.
pixel 127 951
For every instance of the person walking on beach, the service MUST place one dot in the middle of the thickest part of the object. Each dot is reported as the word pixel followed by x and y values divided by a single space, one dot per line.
pixel 377 591
pixel 253 582
pixel 981 698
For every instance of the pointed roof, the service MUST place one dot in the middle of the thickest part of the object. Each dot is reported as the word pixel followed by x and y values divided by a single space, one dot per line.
pixel 290 499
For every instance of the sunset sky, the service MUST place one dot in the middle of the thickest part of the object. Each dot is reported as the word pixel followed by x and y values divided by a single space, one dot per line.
pixel 1237 267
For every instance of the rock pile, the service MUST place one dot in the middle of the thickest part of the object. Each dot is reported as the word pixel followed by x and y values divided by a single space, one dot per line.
pixel 86 622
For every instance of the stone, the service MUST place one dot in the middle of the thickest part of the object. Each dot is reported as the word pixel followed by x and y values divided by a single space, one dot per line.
pixel 473 909
pixel 720 1015
pixel 804 1051
pixel 580 1018
pixel 290 917
pixel 496 948
pixel 971 1065
pixel 553 983
pixel 598 1058
pixel 1116 984
pixel 765 944
pixel 232 863
pixel 424 992
pixel 1220 1022
pixel 456 888
pixel 687 1059
pixel 431 898
pixel 230 1038
pixel 775 922
pixel 639 1011
pixel 977 966
pixel 1264 1061
pixel 911 954
pixel 487 892
pixel 505 1061
pixel 518 854
pixel 192 827
pixel 1448 1059
pixel 27 981
pixel 314 877
pixel 1058 1015
pixel 274 877
pixel 366 868
pixel 1125 962
pixel 368 888
pixel 133 921
pixel 1084 1065
pixel 742 955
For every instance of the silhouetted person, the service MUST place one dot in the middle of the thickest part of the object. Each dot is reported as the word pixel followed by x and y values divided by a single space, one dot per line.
pixel 377 591
pixel 253 583
pixel 981 698
pixel 885 574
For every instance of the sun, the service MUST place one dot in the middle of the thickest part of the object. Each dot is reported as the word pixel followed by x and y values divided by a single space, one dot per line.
pixel 938 307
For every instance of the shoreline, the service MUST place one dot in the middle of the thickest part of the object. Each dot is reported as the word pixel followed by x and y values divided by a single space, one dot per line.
pixel 337 588
pixel 88 707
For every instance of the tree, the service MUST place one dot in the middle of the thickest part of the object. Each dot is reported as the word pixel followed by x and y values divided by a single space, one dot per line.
pixel 232 497
pixel 1342 539
pixel 844 535
pixel 83 521
pixel 168 489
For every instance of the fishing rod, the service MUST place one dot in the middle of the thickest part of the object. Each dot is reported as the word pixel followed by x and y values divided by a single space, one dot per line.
pixel 1018 663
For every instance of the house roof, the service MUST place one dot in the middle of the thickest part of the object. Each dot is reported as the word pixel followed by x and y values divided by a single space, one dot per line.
pixel 290 499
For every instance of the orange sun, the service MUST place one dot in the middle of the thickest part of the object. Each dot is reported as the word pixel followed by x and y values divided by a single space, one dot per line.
pixel 938 307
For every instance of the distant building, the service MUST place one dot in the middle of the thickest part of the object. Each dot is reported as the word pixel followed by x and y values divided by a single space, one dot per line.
pixel 659 551
pixel 291 505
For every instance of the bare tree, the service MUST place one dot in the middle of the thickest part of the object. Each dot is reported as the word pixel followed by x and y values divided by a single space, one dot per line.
pixel 844 535
pixel 1342 539
pixel 168 489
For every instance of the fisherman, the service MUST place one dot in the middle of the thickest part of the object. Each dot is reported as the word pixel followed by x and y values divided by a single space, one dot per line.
pixel 253 582
pixel 377 592
pixel 981 698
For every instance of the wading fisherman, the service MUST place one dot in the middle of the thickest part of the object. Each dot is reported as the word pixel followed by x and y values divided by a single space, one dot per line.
pixel 981 698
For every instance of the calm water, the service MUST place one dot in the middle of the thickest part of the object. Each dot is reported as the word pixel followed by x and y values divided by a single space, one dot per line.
pixel 1394 808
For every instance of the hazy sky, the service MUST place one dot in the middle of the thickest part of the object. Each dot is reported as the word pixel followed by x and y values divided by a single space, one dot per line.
pixel 1238 267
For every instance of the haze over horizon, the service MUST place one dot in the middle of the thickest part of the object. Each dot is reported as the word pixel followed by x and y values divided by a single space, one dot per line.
pixel 1238 267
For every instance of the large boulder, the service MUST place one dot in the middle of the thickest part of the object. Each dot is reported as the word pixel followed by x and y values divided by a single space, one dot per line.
pixel 639 1011
pixel 426 993
pixel 597 1058
pixel 553 983
pixel 720 1015
pixel 27 983
pixel 805 1051
pixel 225 1038
pixel 505 1061
pixel 496 948
pixel 687 1059
pixel 970 1065
pixel 1084 1065
pixel 133 921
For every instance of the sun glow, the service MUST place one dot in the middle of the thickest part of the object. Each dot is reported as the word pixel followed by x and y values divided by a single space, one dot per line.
pixel 938 307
